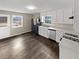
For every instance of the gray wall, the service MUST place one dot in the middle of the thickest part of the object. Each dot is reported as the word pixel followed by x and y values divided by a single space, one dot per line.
pixel 26 22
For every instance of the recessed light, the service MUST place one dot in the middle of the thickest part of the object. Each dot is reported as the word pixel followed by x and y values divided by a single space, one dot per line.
pixel 31 7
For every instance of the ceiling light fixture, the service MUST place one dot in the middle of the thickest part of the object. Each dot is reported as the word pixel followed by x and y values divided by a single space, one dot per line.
pixel 31 7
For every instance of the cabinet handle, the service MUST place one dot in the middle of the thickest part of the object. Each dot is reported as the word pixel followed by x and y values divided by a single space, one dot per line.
pixel 60 39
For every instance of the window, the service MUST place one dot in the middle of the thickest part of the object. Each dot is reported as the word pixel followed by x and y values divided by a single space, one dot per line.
pixel 4 20
pixel 17 21
pixel 47 19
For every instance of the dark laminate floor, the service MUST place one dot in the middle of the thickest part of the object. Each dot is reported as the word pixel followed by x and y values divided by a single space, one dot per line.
pixel 28 46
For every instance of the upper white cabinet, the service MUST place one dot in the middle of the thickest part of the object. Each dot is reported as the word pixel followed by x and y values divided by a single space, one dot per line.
pixel 76 16
pixel 60 16
pixel 53 16
pixel 63 16
pixel 68 13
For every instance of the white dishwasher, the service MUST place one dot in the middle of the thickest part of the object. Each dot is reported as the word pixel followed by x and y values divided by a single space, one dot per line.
pixel 69 47
pixel 52 34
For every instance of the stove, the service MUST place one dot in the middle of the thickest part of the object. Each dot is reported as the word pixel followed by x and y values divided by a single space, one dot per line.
pixel 69 46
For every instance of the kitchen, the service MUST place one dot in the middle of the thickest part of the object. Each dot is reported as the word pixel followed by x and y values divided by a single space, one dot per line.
pixel 54 21
pixel 57 24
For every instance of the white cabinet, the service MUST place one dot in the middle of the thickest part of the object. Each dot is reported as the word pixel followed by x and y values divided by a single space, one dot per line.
pixel 43 31
pixel 53 16
pixel 68 13
pixel 40 30
pixel 63 16
pixel 76 16
pixel 59 35
pixel 60 16
pixel 52 34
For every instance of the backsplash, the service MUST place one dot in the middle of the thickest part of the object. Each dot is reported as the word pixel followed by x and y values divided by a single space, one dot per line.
pixel 69 26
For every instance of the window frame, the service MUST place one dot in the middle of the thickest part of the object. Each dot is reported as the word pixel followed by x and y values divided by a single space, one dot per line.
pixel 43 19
pixel 8 20
pixel 13 25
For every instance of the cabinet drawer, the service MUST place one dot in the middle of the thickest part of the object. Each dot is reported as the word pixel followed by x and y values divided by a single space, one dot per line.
pixel 43 31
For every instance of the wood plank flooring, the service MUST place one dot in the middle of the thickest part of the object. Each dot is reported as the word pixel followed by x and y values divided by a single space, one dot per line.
pixel 28 46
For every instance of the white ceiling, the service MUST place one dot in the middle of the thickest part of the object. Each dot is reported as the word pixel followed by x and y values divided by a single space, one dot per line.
pixel 42 5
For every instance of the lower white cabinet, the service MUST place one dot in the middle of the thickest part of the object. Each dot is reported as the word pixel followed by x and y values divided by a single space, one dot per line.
pixel 59 35
pixel 68 13
pixel 55 35
pixel 43 31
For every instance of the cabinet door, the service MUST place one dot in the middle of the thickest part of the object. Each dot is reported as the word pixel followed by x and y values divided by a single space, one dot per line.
pixel 68 13
pixel 53 16
pixel 40 30
pixel 59 35
pixel 76 16
pixel 45 32
pixel 59 16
